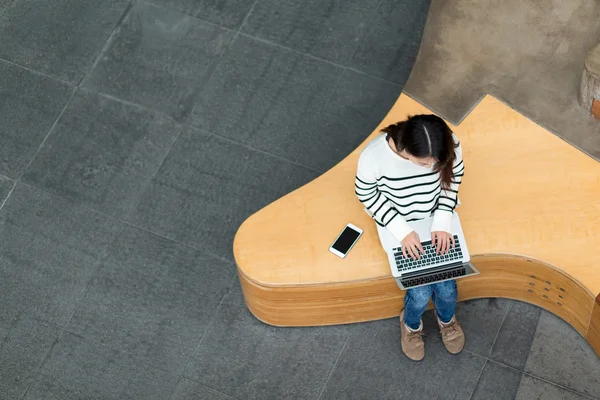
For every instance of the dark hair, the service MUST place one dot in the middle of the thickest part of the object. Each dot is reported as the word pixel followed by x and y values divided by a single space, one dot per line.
pixel 426 136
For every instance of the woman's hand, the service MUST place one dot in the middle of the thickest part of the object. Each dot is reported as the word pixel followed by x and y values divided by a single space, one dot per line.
pixel 411 244
pixel 443 241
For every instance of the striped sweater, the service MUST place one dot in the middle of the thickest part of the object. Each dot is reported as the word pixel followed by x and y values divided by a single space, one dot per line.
pixel 395 191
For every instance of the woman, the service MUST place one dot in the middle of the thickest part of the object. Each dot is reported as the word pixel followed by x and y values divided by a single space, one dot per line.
pixel 409 172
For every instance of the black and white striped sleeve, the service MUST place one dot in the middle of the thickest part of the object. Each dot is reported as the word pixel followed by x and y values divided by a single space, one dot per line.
pixel 448 200
pixel 376 203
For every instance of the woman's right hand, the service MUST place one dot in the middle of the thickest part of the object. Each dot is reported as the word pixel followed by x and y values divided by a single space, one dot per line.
pixel 411 245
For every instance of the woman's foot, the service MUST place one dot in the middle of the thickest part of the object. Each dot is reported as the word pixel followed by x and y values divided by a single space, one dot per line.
pixel 452 335
pixel 411 340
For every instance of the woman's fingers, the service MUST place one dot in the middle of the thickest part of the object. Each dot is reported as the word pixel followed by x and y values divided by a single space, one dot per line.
pixel 438 243
pixel 413 251
pixel 409 251
pixel 420 247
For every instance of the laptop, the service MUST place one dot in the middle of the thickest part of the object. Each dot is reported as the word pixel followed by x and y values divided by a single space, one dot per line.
pixel 430 268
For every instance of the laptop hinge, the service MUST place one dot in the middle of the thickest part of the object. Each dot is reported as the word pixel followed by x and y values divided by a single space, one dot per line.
pixel 432 270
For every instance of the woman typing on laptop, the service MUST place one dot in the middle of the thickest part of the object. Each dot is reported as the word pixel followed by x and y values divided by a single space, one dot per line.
pixel 410 172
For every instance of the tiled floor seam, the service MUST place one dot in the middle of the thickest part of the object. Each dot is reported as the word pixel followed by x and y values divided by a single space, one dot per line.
pixel 370 24
pixel 94 273
pixel 211 388
pixel 73 91
pixel 239 31
pixel 320 59
pixel 134 361
pixel 182 123
pixel 125 223
pixel 499 329
pixel 174 9
pixel 107 43
pixel 33 71
pixel 204 334
pixel 41 367
pixel 478 379
pixel 65 329
pixel 190 125
pixel 333 368
pixel 523 372
pixel 329 100
pixel 9 193
pixel 6 8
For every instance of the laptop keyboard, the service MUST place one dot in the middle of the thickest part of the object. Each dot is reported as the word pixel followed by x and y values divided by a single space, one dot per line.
pixel 432 278
pixel 429 258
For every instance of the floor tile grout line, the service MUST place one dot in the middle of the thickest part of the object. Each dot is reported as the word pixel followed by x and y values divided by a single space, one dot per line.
pixel 246 17
pixel 196 127
pixel 187 14
pixel 6 7
pixel 130 224
pixel 338 84
pixel 239 32
pixel 33 71
pixel 12 189
pixel 333 368
pixel 256 149
pixel 94 273
pixel 203 251
pixel 41 367
pixel 207 330
pixel 266 41
pixel 211 388
pixel 308 55
pixel 523 372
pixel 370 27
pixel 478 378
pixel 145 187
pixel 108 42
pixel 568 389
pixel 201 384
pixel 499 329
pixel 52 127
pixel 183 124
pixel 134 359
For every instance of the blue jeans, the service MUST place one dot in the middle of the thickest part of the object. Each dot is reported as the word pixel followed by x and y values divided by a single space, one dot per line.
pixel 416 300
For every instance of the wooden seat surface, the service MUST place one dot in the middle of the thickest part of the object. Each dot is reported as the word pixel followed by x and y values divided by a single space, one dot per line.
pixel 530 211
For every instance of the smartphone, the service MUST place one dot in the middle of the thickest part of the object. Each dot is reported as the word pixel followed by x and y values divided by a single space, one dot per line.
pixel 346 240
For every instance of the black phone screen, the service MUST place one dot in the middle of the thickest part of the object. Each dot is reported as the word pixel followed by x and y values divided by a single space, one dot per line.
pixel 346 239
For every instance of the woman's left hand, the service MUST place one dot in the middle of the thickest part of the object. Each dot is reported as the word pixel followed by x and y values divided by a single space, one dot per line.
pixel 443 241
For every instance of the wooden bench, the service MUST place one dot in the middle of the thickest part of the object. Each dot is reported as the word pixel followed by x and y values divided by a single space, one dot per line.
pixel 530 211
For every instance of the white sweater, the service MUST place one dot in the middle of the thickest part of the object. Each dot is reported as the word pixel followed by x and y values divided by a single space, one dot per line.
pixel 395 191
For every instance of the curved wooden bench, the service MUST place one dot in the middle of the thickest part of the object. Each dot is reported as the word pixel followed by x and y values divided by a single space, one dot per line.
pixel 530 211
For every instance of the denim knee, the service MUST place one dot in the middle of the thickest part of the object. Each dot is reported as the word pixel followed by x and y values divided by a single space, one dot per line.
pixel 419 297
pixel 446 291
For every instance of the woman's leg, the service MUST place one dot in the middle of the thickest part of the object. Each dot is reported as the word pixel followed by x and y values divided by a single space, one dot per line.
pixel 445 295
pixel 415 304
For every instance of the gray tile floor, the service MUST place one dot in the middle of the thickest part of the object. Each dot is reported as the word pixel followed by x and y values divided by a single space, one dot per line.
pixel 137 136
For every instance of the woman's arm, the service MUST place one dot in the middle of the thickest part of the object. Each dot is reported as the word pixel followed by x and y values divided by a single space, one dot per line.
pixel 382 210
pixel 442 216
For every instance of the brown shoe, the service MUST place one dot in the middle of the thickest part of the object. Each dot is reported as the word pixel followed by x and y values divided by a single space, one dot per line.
pixel 412 342
pixel 452 335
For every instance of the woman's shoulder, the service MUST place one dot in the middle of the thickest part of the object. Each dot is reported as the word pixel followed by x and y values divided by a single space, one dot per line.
pixel 375 146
